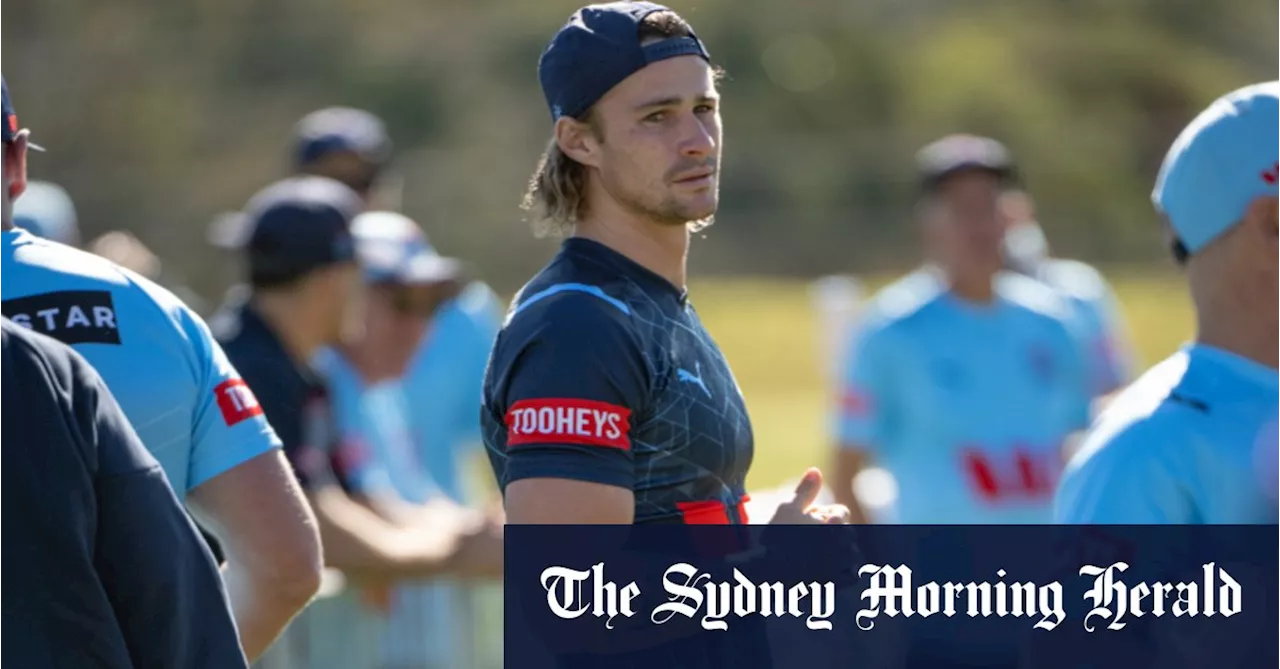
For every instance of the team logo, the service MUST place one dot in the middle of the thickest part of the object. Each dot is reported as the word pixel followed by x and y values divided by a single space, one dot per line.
pixel 568 421
pixel 236 401
pixel 70 316
pixel 1041 361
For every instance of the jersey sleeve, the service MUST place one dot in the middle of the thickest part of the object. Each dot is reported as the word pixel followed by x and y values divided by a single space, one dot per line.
pixel 159 575
pixel 571 387
pixel 229 426
pixel 865 407
pixel 1125 477
pixel 1111 348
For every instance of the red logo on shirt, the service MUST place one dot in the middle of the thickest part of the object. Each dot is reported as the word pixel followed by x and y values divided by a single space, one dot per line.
pixel 568 421
pixel 236 401
pixel 854 402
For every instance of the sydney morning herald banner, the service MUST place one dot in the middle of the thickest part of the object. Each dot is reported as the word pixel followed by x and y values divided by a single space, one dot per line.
pixel 892 596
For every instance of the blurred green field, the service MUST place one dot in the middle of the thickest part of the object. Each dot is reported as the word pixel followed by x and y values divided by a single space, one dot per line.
pixel 768 329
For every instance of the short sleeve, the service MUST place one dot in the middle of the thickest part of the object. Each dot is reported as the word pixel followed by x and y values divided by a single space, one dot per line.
pixel 1124 477
pixel 571 386
pixel 866 402
pixel 229 426
pixel 1111 347
pixel 1079 373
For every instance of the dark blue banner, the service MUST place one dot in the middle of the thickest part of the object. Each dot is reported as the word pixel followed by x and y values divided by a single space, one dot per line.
pixel 759 597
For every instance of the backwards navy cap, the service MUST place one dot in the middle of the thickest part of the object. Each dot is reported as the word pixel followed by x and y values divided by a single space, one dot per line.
pixel 597 49
pixel 10 121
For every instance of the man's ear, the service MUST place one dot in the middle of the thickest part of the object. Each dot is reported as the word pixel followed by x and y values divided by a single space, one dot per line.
pixel 15 166
pixel 578 141
pixel 1262 214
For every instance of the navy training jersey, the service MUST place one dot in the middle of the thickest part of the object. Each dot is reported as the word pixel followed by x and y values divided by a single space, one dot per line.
pixel 603 372
pixel 102 567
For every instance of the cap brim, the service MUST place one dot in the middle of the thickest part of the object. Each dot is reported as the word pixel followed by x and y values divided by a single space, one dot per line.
pixel 429 269
pixel 229 231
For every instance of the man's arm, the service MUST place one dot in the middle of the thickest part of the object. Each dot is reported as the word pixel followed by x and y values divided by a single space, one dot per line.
pixel 577 354
pixel 155 567
pixel 863 412
pixel 244 491
pixel 269 535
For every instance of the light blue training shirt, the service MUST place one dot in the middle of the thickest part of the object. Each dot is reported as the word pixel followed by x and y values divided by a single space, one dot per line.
pixel 1193 441
pixel 184 398
pixel 966 405
pixel 1108 349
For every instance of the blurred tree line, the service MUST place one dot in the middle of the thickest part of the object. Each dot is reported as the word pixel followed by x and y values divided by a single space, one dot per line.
pixel 160 115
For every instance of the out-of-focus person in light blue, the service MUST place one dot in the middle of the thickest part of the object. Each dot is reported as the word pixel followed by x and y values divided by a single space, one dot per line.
pixel 408 390
pixel 1110 351
pixel 46 210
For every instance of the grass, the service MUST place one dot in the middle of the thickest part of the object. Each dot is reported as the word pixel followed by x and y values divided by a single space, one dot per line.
pixel 769 332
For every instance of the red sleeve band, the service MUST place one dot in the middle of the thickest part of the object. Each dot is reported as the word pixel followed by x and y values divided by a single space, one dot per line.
pixel 569 421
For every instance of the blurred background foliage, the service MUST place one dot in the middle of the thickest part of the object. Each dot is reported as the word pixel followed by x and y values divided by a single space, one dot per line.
pixel 160 115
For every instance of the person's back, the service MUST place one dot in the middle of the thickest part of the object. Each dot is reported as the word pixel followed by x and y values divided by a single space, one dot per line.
pixel 1196 439
pixel 102 567
pixel 147 345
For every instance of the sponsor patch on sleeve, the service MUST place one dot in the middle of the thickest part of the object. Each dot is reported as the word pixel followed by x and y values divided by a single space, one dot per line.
pixel 854 402
pixel 236 401
pixel 569 421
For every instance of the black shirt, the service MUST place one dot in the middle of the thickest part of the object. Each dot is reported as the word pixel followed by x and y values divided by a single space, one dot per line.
pixel 291 395
pixel 102 566
pixel 604 373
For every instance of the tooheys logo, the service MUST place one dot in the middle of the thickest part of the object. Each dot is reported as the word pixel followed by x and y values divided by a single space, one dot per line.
pixel 70 316
pixel 568 421
pixel 236 401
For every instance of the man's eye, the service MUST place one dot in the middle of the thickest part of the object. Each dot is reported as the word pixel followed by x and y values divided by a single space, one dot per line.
pixel 656 117
pixel 705 109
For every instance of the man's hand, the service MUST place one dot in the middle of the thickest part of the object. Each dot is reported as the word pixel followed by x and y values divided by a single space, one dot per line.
pixel 801 509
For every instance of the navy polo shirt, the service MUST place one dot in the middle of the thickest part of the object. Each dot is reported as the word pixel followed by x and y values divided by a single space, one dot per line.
pixel 603 372
pixel 292 396
pixel 102 566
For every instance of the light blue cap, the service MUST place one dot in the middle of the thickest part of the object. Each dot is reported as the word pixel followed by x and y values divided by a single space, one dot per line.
pixel 1220 163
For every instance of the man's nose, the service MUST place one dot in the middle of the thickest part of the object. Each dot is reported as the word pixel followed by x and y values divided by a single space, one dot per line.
pixel 699 140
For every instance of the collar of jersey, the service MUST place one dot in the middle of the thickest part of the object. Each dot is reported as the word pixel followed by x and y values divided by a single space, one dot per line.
pixel 1252 371
pixel 597 251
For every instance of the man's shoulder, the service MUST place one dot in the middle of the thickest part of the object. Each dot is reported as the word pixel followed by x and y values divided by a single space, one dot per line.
pixel 1077 279
pixel 903 300
pixel 1033 297
pixel 63 276
pixel 1150 418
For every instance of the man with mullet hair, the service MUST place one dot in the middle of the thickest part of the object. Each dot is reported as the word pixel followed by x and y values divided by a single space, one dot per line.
pixel 605 400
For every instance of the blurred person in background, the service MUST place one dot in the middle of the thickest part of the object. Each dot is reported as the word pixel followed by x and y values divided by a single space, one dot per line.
pixel 1027 251
pixel 963 381
pixel 606 331
pixel 351 146
pixel 184 398
pixel 1194 439
pixel 46 210
pixel 423 315
pixel 109 572
pixel 304 293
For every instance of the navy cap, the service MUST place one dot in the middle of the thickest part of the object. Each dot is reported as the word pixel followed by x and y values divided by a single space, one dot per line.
pixel 962 153
pixel 341 129
pixel 10 121
pixel 599 47
pixel 298 225
pixel 391 248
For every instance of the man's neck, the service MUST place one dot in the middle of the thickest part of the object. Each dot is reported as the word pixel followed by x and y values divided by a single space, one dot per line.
pixel 660 248
pixel 975 287
pixel 1251 335
pixel 287 316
